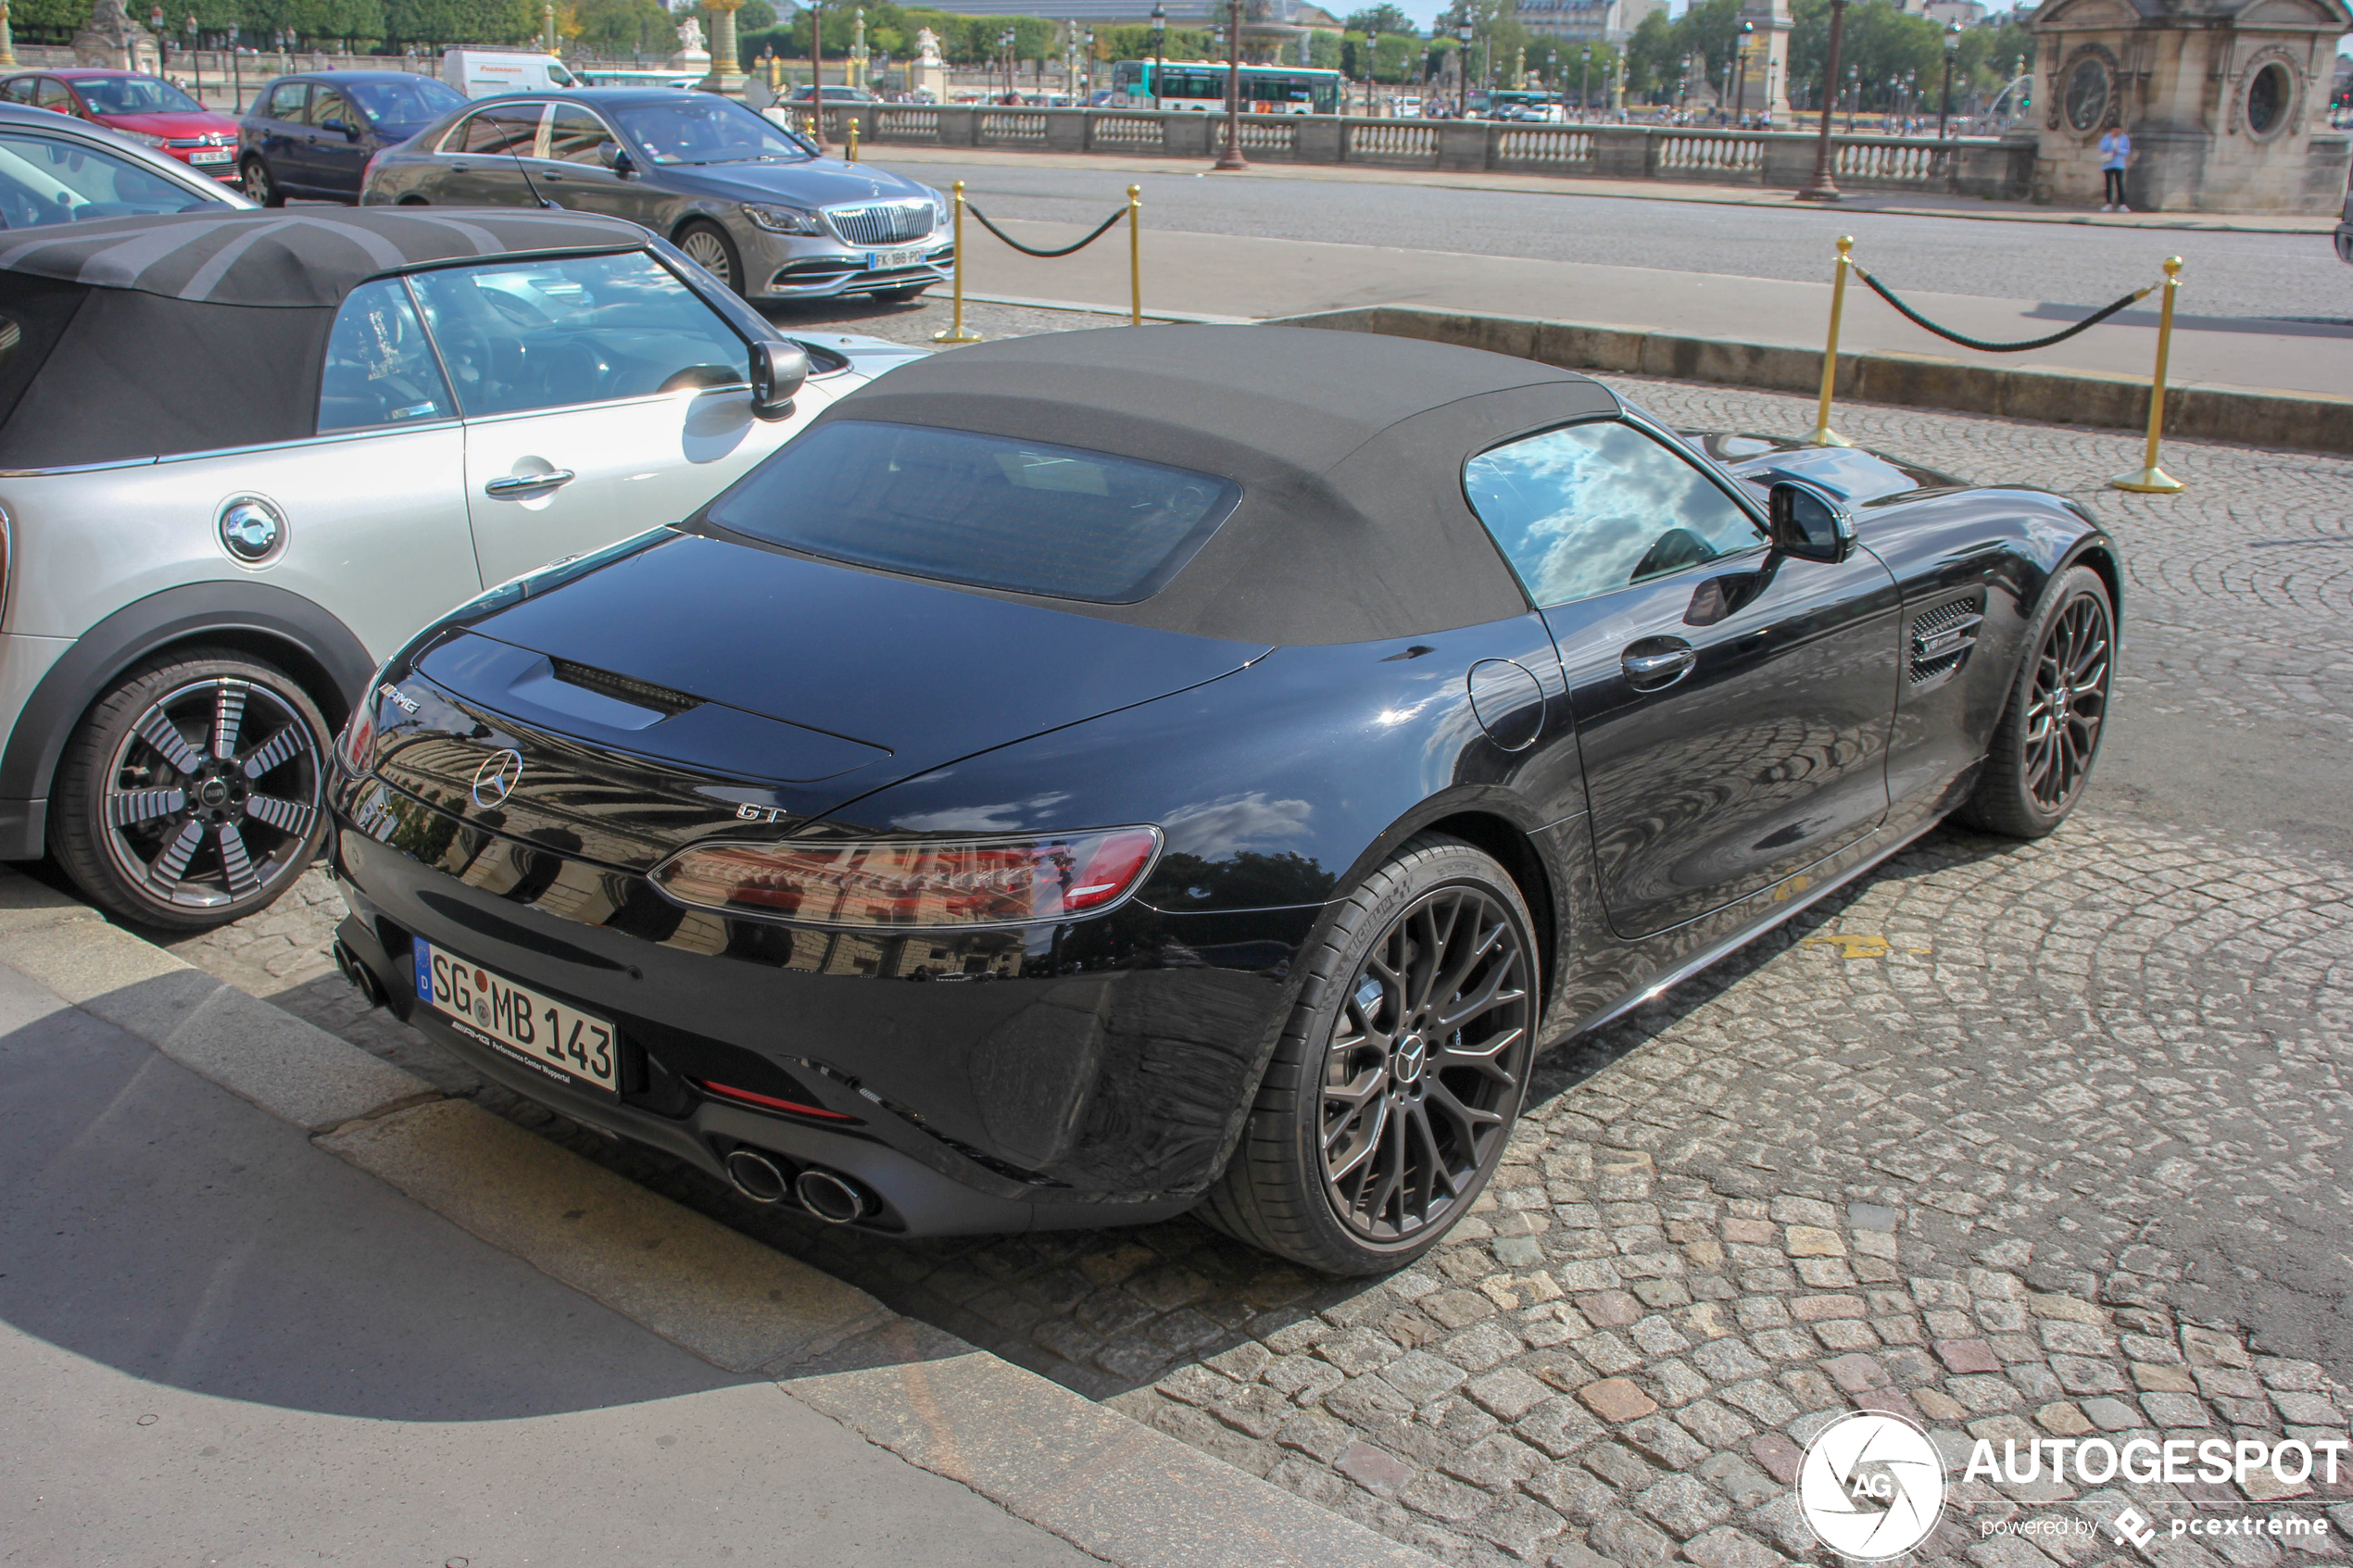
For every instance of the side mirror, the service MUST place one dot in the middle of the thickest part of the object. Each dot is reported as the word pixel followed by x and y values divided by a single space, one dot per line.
pixel 350 133
pixel 777 371
pixel 614 156
pixel 1808 524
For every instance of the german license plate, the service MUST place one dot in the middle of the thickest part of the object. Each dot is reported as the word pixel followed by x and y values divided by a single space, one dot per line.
pixel 210 155
pixel 575 1048
pixel 891 260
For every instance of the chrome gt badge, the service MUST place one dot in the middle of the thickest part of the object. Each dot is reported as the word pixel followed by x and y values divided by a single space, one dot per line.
pixel 497 778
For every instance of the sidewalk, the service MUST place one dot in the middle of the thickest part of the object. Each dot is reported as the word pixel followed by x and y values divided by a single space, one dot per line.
pixel 224 1344
pixel 267 1298
pixel 1905 204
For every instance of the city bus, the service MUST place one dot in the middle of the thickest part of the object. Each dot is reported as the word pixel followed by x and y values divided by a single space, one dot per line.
pixel 1201 84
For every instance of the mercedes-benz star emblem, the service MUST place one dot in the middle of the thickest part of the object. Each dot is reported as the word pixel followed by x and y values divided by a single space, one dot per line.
pixel 497 778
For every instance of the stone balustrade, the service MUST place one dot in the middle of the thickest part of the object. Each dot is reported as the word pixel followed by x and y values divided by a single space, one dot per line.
pixel 2000 169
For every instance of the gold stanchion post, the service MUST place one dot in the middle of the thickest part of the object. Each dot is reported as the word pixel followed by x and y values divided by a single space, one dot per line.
pixel 2150 480
pixel 1823 434
pixel 955 332
pixel 1135 255
pixel 853 137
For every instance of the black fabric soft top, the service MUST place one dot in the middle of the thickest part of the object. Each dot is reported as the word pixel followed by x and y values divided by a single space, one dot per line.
pixel 197 332
pixel 1348 448
pixel 292 260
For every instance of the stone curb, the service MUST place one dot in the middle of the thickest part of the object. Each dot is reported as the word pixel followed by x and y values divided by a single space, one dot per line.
pixel 1093 1476
pixel 2307 421
pixel 295 1070
pixel 1106 1483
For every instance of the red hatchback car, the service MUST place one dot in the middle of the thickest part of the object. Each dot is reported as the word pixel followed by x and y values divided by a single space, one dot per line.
pixel 137 105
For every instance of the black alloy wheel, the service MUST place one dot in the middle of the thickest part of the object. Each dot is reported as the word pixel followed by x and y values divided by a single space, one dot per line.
pixel 190 796
pixel 1398 1078
pixel 2044 749
pixel 707 245
pixel 259 186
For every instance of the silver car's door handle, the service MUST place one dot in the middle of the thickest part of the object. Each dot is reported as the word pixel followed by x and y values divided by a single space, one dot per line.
pixel 512 485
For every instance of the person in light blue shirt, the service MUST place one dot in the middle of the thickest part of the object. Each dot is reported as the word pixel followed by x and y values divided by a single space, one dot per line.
pixel 2116 150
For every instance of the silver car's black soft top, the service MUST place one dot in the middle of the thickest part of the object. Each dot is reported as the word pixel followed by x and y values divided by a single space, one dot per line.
pixel 194 332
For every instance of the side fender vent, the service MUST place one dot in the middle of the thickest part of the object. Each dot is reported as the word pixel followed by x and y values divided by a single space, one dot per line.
pixel 1943 635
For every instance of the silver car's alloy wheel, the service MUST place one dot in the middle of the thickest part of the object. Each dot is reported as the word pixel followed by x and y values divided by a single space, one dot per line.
pixel 707 250
pixel 212 793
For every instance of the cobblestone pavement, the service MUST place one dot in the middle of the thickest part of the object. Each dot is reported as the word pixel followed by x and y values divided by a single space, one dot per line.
pixel 2016 1140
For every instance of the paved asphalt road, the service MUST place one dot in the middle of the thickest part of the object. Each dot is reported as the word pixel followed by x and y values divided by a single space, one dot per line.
pixel 2295 276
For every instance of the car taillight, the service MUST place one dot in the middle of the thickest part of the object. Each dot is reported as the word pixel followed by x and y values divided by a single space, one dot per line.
pixel 915 883
pixel 357 740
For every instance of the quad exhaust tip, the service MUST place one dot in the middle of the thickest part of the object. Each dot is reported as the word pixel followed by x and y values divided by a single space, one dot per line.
pixel 756 1176
pixel 834 1199
pixel 362 979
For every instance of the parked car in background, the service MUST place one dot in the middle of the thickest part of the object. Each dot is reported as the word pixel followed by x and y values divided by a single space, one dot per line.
pixel 58 171
pixel 243 455
pixel 481 73
pixel 804 93
pixel 312 135
pixel 761 208
pixel 146 108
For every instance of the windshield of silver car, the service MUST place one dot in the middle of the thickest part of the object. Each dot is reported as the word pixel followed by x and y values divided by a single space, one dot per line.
pixel 44 181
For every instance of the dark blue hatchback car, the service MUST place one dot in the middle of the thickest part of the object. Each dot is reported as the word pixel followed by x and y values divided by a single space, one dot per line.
pixel 312 135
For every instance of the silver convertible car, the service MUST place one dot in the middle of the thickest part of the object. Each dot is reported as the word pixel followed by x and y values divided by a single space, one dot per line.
pixel 244 455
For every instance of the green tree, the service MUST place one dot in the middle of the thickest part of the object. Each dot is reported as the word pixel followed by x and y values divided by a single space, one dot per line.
pixel 1653 59
pixel 1383 17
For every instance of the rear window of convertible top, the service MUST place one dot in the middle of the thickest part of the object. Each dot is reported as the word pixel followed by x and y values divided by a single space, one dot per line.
pixel 989 512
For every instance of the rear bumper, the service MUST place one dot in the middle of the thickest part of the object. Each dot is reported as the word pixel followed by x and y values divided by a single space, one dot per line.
pixel 1082 1075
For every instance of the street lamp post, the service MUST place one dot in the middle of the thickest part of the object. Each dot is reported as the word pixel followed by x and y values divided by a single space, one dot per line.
pixel 1739 89
pixel 1462 35
pixel 1160 46
pixel 1372 54
pixel 1090 64
pixel 548 24
pixel 1005 42
pixel 1229 157
pixel 1823 187
pixel 1952 52
pixel 1585 82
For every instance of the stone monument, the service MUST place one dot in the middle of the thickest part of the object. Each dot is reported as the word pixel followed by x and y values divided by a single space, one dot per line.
pixel 2226 101
pixel 691 54
pixel 727 69
pixel 1765 86
pixel 112 40
pixel 928 73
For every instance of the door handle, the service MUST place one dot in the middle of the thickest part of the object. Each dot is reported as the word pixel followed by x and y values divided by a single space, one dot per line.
pixel 462 168
pixel 507 487
pixel 1661 662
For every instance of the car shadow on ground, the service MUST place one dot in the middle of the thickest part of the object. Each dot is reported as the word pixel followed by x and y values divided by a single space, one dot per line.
pixel 160 1225
pixel 1108 1311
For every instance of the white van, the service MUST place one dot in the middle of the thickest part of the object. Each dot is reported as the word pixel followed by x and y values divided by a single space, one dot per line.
pixel 480 72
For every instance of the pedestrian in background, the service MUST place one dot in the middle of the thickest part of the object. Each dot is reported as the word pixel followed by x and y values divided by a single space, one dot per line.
pixel 2116 150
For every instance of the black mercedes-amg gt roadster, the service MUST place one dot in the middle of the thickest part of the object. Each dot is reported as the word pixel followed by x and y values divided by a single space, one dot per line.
pixel 1090 776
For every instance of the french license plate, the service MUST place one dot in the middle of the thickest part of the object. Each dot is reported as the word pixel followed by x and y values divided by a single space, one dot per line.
pixel 891 260
pixel 574 1048
pixel 210 155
